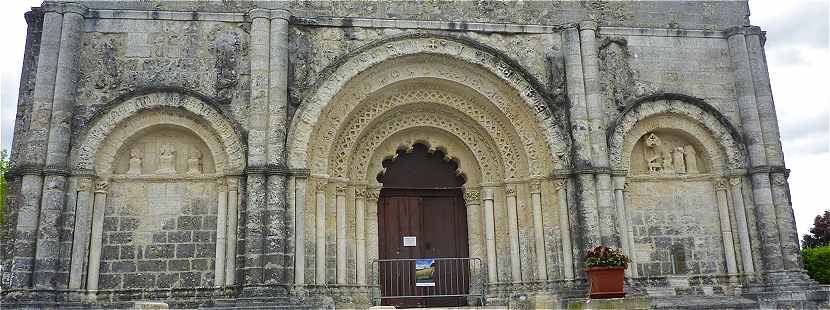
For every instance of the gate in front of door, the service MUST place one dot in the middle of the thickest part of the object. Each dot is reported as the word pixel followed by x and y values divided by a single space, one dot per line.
pixel 421 216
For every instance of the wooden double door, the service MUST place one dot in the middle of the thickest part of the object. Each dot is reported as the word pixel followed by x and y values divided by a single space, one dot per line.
pixel 423 224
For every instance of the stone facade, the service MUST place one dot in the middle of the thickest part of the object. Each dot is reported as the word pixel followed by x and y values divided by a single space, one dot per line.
pixel 226 154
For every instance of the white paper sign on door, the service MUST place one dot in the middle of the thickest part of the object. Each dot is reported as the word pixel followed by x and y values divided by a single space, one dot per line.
pixel 409 241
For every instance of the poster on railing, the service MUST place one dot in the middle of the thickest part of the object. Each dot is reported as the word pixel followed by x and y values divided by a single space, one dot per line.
pixel 424 272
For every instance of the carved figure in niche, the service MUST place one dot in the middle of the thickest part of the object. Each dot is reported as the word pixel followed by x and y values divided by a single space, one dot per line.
pixel 167 159
pixel 194 162
pixel 668 167
pixel 691 159
pixel 652 153
pixel 135 161
pixel 679 162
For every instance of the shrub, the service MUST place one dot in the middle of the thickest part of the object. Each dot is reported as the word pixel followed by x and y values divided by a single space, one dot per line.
pixel 605 256
pixel 817 263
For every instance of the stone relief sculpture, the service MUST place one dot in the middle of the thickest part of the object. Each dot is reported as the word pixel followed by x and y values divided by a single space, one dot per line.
pixel 194 162
pixel 167 159
pixel 660 157
pixel 135 161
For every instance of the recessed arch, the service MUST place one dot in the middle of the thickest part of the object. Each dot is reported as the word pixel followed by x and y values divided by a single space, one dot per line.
pixel 168 105
pixel 693 115
pixel 350 83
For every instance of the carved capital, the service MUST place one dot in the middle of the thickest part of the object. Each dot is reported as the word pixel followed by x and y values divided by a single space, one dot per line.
pixel 101 186
pixel 560 184
pixel 360 192
pixel 736 181
pixel 720 184
pixel 85 184
pixel 322 185
pixel 472 196
pixel 510 190
pixel 372 194
pixel 535 188
pixel 626 186
pixel 233 184
pixel 779 179
pixel 340 188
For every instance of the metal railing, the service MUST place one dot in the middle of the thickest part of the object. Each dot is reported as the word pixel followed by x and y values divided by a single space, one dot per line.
pixel 453 282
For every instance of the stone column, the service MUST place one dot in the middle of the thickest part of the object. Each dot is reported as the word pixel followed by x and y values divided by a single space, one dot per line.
pixel 256 201
pixel 221 233
pixel 768 120
pixel 277 260
pixel 513 233
pixel 743 227
pixel 232 230
pixel 360 233
pixel 98 208
pixel 475 236
pixel 372 200
pixel 754 137
pixel 33 159
pixel 299 229
pixel 490 235
pixel 340 205
pixel 80 239
pixel 726 227
pixel 626 232
pixel 561 186
pixel 538 230
pixel 320 238
pixel 47 252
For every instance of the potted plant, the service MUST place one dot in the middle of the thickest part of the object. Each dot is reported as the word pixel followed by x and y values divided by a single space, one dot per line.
pixel 606 272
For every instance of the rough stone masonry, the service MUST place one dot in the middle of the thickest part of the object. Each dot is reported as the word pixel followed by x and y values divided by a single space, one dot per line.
pixel 230 154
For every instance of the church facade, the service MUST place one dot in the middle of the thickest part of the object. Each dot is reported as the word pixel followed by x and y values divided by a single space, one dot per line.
pixel 307 154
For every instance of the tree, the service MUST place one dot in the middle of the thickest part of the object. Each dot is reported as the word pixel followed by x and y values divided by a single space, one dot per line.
pixel 4 167
pixel 820 233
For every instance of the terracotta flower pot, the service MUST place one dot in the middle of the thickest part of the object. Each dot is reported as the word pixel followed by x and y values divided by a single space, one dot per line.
pixel 606 282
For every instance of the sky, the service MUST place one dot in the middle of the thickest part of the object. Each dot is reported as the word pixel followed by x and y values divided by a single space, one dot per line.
pixel 797 54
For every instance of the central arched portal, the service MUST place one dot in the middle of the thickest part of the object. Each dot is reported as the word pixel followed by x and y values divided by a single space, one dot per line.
pixel 421 215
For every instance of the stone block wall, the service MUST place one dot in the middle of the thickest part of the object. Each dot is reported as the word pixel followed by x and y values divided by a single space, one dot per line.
pixel 159 235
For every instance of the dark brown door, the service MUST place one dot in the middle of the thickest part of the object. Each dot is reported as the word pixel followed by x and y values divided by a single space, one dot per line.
pixel 422 200
pixel 437 220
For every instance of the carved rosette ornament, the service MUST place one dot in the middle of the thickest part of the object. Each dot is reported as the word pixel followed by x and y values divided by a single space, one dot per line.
pixel 101 186
pixel 372 194
pixel 472 196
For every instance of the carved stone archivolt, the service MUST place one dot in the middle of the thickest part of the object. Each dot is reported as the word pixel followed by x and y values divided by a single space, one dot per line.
pixel 705 131
pixel 512 107
pixel 108 133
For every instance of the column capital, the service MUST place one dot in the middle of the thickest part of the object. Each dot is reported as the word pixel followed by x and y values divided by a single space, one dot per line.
pixel 588 25
pixel 560 184
pixel 281 14
pixel 360 192
pixel 535 187
pixel 488 193
pixel 372 194
pixel 720 184
pixel 77 8
pixel 321 185
pixel 85 184
pixel 510 190
pixel 472 196
pixel 779 179
pixel 233 183
pixel 340 188
pixel 736 181
pixel 259 13
pixel 101 186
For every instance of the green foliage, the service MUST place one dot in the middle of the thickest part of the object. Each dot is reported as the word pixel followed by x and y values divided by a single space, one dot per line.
pixel 605 256
pixel 4 167
pixel 820 233
pixel 817 263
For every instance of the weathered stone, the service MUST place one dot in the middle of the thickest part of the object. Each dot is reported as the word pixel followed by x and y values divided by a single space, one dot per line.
pixel 648 126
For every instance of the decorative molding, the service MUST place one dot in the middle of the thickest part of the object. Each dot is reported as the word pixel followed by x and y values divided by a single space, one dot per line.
pixel 472 196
